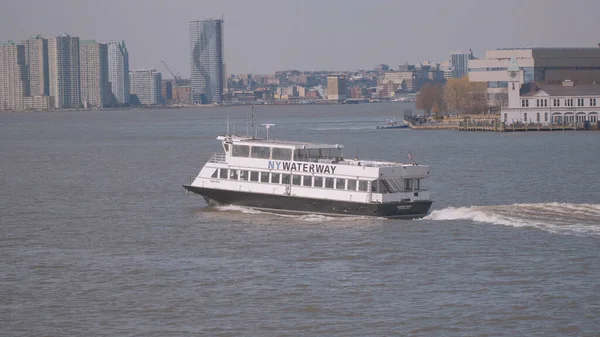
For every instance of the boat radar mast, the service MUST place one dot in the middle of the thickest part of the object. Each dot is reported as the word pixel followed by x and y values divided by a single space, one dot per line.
pixel 268 126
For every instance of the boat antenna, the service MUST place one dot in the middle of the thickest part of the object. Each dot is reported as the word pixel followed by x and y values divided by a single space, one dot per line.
pixel 247 134
pixel 227 112
pixel 253 128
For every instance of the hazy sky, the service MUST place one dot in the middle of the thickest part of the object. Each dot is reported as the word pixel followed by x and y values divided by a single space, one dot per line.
pixel 262 36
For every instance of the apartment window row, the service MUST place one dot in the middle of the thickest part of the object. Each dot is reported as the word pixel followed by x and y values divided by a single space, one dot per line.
pixel 377 186
pixel 541 102
pixel 525 103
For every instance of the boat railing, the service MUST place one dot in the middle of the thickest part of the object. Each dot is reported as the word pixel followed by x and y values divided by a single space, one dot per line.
pixel 368 163
pixel 218 158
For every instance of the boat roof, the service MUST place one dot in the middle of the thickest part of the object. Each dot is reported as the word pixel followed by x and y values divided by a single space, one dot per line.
pixel 249 140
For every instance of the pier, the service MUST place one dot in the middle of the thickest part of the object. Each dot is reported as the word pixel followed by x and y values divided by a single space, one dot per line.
pixel 497 126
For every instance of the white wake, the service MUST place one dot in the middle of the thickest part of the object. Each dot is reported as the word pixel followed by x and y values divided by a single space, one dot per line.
pixel 558 218
pixel 315 218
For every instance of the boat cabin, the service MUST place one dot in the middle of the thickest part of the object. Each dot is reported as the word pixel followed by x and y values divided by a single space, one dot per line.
pixel 247 147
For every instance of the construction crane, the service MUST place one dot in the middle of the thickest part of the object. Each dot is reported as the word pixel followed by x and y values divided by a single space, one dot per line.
pixel 176 77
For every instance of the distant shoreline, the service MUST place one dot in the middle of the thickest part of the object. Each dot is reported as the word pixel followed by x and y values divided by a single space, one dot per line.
pixel 203 106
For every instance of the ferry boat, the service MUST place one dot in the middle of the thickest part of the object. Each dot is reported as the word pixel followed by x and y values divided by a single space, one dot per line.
pixel 297 177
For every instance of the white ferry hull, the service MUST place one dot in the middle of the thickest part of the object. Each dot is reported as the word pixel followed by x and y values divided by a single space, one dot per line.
pixel 294 204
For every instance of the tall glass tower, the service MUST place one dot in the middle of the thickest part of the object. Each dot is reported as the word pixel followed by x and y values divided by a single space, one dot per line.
pixel 118 71
pixel 206 58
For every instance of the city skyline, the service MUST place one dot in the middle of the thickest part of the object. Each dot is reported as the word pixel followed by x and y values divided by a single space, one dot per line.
pixel 266 36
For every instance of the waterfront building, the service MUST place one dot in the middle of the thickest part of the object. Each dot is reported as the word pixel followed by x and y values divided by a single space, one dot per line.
pixel 567 103
pixel 336 87
pixel 13 76
pixel 36 58
pixel 408 77
pixel 63 66
pixel 118 71
pixel 206 60
pixel 146 86
pixel 38 103
pixel 548 66
pixel 166 90
pixel 95 87
pixel 460 62
pixel 182 94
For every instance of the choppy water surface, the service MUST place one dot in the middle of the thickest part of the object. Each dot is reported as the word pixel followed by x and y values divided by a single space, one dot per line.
pixel 98 237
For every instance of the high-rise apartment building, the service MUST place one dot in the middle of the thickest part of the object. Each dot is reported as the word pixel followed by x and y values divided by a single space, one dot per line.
pixel 13 76
pixel 145 86
pixel 36 58
pixel 95 88
pixel 65 86
pixel 118 71
pixel 206 58
pixel 336 87
pixel 460 62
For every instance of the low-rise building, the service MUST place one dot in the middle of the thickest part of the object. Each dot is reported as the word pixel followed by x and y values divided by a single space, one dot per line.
pixel 182 94
pixel 38 103
pixel 567 103
pixel 547 66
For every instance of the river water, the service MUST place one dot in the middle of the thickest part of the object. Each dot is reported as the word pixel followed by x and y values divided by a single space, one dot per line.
pixel 98 237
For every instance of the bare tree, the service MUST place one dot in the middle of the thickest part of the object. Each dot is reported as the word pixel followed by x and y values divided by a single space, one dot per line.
pixel 456 94
pixel 429 97
pixel 477 103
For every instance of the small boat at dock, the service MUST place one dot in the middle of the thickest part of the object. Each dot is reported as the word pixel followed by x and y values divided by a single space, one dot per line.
pixel 393 124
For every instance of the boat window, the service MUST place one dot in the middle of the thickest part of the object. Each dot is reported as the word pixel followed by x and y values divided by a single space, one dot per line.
pixel 244 175
pixel 301 155
pixel 215 174
pixel 318 181
pixel 328 182
pixel 391 185
pixel 375 185
pixel 332 153
pixel 307 181
pixel 313 155
pixel 351 185
pixel 264 177
pixel 408 184
pixel 233 174
pixel 275 178
pixel 385 186
pixel 340 184
pixel 223 174
pixel 363 185
pixel 296 180
pixel 241 150
pixel 281 154
pixel 285 178
pixel 253 176
pixel 417 184
pixel 260 152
